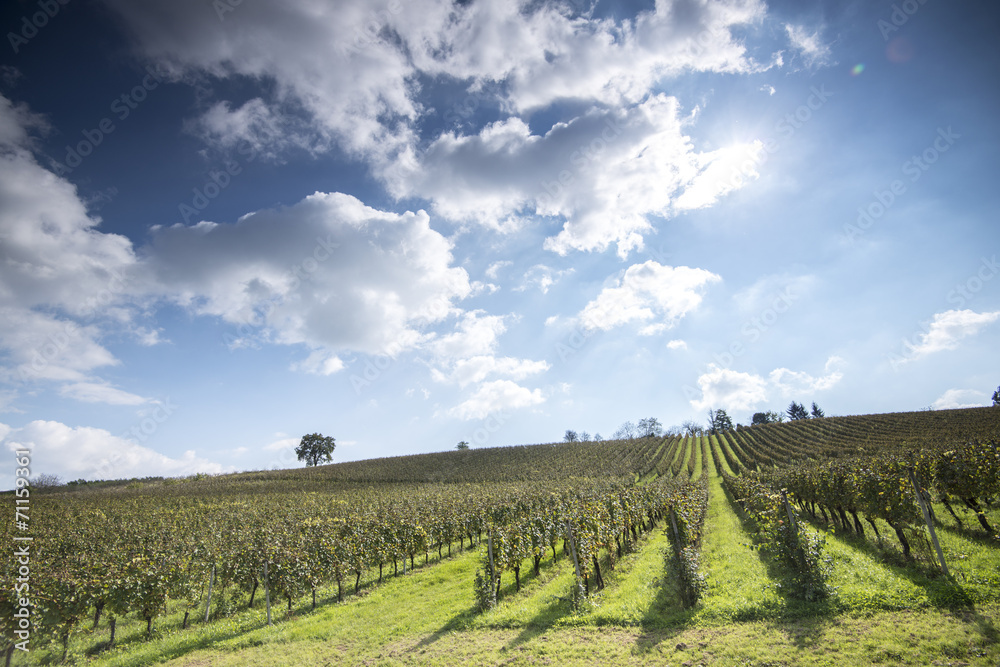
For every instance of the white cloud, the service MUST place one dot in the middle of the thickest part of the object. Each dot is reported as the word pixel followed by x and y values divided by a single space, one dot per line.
pixel 947 329
pixel 61 279
pixel 733 390
pixel 328 272
pixel 493 270
pixel 475 334
pixel 496 396
pixel 477 369
pixel 647 291
pixel 960 398
pixel 729 390
pixel 351 75
pixel 677 345
pixel 282 444
pixel 353 69
pixel 791 383
pixel 600 174
pixel 542 278
pixel 92 453
pixel 809 44
pixel 100 392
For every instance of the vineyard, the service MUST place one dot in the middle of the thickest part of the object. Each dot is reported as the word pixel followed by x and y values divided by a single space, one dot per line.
pixel 819 518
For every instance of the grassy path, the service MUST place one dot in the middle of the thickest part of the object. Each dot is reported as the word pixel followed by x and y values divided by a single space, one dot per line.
pixel 739 587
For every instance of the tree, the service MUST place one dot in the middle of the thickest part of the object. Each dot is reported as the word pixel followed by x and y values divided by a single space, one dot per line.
pixel 996 397
pixel 626 431
pixel 797 411
pixel 769 417
pixel 817 413
pixel 46 481
pixel 650 428
pixel 462 445
pixel 598 438
pixel 314 448
pixel 584 436
pixel 692 428
pixel 718 422
pixel 571 436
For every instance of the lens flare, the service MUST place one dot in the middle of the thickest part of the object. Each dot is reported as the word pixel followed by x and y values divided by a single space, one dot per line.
pixel 857 69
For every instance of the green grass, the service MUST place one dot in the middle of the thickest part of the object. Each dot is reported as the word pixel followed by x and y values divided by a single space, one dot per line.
pixel 884 612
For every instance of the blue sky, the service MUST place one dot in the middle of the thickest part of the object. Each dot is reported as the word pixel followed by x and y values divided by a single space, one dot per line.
pixel 224 225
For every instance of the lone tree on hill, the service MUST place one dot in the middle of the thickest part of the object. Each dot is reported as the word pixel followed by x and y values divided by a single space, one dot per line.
pixel 462 445
pixel 315 448
pixel 797 411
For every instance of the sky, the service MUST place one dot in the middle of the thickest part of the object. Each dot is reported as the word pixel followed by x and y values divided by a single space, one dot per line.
pixel 225 224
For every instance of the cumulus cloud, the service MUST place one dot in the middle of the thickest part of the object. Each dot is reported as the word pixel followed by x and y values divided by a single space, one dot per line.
pixel 328 273
pixel 733 390
pixel 599 174
pixel 477 369
pixel 960 398
pixel 496 396
pixel 645 292
pixel 92 453
pixel 350 75
pixel 729 390
pixel 354 68
pixel 61 278
pixel 947 329
pixel 791 383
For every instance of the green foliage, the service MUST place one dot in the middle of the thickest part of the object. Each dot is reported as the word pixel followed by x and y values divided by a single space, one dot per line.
pixel 719 422
pixel 783 537
pixel 769 417
pixel 314 448
pixel 797 411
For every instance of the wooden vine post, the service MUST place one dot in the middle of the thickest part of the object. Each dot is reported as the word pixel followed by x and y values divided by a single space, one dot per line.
pixel 208 603
pixel 267 594
pixel 929 522
pixel 572 550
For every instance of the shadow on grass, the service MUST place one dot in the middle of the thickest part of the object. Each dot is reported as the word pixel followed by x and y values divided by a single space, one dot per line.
pixel 941 590
pixel 779 573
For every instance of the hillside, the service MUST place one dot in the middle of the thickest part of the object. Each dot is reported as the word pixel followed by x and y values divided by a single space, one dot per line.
pixel 679 550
